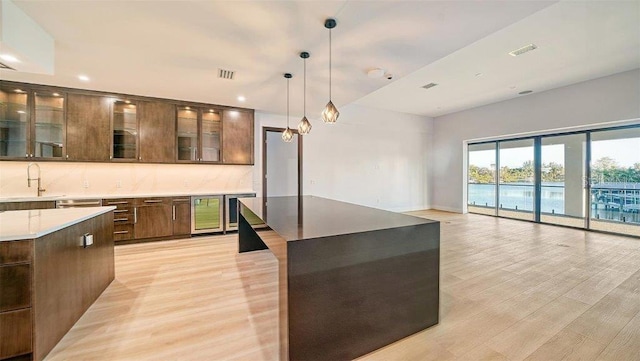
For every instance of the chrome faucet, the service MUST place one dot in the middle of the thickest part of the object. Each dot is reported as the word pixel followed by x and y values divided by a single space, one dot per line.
pixel 29 179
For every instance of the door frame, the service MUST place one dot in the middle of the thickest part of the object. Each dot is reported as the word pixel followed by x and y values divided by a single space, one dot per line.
pixel 264 158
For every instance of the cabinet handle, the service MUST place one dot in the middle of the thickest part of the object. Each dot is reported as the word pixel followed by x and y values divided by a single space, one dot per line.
pixel 135 215
pixel 120 211
pixel 153 201
pixel 121 232
pixel 174 213
pixel 124 202
pixel 181 199
pixel 120 219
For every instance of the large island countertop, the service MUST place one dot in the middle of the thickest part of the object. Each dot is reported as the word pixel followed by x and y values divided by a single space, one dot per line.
pixel 31 224
pixel 352 279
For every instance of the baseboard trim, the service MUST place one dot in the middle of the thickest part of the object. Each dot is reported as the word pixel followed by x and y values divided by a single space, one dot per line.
pixel 447 209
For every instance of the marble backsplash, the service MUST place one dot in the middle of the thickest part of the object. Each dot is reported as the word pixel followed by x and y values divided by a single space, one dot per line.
pixel 67 178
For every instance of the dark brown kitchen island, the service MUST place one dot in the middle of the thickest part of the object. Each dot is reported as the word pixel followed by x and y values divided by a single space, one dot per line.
pixel 352 279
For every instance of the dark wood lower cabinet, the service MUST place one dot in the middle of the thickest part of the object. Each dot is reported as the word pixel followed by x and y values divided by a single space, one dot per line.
pixel 15 328
pixel 45 291
pixel 153 218
pixel 181 216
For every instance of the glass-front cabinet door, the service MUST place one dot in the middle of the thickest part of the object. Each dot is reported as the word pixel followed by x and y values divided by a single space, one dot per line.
pixel 49 125
pixel 14 123
pixel 187 134
pixel 125 131
pixel 210 135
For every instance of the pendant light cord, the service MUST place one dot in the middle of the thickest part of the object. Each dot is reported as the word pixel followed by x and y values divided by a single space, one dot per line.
pixel 287 103
pixel 329 64
pixel 304 108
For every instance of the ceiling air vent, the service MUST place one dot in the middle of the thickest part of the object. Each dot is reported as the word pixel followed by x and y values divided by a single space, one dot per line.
pixel 429 86
pixel 522 50
pixel 226 74
pixel 5 66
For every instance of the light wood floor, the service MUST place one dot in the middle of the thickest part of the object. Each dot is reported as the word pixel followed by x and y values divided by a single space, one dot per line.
pixel 510 290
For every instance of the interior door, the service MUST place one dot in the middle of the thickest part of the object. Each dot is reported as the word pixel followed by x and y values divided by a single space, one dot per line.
pixel 282 164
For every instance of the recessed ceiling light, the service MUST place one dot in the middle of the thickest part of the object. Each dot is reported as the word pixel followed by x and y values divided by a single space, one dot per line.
pixel 55 94
pixel 9 58
pixel 241 98
pixel 83 77
pixel 525 92
pixel 375 73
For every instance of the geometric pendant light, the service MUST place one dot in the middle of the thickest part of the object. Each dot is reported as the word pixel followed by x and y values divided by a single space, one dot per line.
pixel 304 127
pixel 287 135
pixel 330 113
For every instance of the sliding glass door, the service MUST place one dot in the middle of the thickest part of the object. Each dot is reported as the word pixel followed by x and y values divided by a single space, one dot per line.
pixel 516 186
pixel 481 180
pixel 588 179
pixel 563 175
pixel 615 181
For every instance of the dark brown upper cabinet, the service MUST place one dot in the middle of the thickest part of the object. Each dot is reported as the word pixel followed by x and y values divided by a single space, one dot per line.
pixel 237 137
pixel 157 132
pixel 88 131
pixel 32 123
pixel 14 123
pixel 124 131
pixel 198 132
pixel 53 123
pixel 48 128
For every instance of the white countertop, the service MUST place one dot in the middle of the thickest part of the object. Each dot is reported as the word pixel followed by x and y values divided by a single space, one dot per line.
pixel 17 225
pixel 112 196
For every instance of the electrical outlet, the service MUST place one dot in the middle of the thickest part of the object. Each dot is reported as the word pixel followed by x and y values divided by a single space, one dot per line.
pixel 118 184
pixel 85 183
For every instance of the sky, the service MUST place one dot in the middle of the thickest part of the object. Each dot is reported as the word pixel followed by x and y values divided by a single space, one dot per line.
pixel 625 152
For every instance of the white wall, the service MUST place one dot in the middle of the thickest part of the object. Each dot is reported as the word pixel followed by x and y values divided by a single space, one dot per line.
pixel 370 157
pixel 608 99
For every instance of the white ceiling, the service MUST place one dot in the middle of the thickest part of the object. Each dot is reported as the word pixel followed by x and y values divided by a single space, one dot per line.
pixel 172 49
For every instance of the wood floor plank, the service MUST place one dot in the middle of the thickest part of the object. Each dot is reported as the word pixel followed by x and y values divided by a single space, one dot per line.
pixel 626 344
pixel 567 345
pixel 511 290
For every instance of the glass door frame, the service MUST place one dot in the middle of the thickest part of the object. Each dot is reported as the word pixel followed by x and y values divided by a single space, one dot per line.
pixel 587 181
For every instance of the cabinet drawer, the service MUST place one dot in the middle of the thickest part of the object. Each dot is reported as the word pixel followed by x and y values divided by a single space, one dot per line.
pixel 119 203
pixel 122 232
pixel 123 218
pixel 15 252
pixel 15 283
pixel 15 333
pixel 153 201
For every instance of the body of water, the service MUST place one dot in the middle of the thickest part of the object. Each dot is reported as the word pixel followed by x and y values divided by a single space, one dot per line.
pixel 610 203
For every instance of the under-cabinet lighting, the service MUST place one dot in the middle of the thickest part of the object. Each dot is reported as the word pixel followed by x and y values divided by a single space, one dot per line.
pixel 55 94
pixel 21 111
pixel 127 101
pixel 19 91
